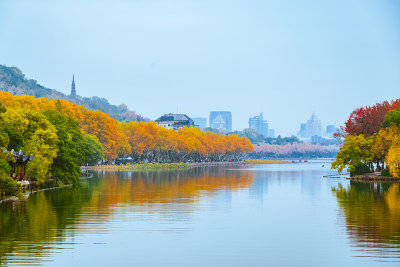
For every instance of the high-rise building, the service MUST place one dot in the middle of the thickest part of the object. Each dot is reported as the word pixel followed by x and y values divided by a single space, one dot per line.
pixel 260 125
pixel 221 120
pixel 316 139
pixel 73 90
pixel 311 127
pixel 330 130
pixel 201 122
pixel 271 133
pixel 303 130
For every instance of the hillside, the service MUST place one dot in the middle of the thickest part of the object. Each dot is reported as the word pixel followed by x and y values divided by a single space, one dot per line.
pixel 12 80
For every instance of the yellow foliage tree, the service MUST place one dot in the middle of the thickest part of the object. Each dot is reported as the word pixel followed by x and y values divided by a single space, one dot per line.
pixel 147 140
pixel 387 146
pixel 393 155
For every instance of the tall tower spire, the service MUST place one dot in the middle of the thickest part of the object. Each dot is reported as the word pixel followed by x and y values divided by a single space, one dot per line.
pixel 73 90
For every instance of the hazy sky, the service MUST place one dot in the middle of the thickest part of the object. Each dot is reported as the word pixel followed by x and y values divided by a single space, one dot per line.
pixel 283 58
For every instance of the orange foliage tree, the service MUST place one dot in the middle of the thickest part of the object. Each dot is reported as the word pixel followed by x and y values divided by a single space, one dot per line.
pixel 143 141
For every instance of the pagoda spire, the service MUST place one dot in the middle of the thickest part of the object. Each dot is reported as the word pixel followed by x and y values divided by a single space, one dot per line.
pixel 73 89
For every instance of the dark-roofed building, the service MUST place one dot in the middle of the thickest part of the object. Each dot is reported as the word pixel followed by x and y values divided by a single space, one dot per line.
pixel 175 121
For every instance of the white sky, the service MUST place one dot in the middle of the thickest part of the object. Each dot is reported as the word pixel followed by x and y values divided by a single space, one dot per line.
pixel 283 58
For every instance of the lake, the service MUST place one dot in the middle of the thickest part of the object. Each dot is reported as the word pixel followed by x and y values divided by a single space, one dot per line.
pixel 260 215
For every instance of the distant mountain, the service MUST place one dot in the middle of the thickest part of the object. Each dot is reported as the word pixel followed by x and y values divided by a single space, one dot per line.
pixel 13 80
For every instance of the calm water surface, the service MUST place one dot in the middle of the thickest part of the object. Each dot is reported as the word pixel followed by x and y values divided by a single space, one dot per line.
pixel 265 215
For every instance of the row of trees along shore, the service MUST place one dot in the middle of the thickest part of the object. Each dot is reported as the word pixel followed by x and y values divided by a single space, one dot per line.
pixel 371 140
pixel 293 151
pixel 64 136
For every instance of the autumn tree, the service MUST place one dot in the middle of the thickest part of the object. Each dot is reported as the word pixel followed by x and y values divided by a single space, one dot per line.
pixel 31 132
pixel 392 150
pixel 143 141
pixel 354 154
pixel 368 120
pixel 380 147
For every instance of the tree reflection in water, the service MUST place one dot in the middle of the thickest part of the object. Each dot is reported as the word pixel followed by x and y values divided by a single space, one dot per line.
pixel 32 229
pixel 372 215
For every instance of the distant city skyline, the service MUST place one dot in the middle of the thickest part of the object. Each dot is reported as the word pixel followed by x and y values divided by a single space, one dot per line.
pixel 201 122
pixel 221 120
pixel 260 125
pixel 283 58
pixel 257 122
pixel 312 127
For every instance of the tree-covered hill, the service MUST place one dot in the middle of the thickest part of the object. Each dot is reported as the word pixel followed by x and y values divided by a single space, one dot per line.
pixel 12 80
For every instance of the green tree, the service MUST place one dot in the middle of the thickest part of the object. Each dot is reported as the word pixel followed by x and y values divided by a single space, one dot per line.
pixel 92 150
pixel 8 186
pixel 253 136
pixel 65 166
pixel 31 132
pixel 392 118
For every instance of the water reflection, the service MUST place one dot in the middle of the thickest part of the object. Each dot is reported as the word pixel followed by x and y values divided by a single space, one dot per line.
pixel 310 184
pixel 33 229
pixel 263 215
pixel 145 188
pixel 259 187
pixel 372 215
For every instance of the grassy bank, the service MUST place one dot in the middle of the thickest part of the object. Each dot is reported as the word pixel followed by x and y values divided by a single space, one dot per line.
pixel 140 167
pixel 163 166
pixel 266 161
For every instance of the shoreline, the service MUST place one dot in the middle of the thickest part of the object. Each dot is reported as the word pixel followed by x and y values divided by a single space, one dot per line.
pixel 179 166
pixel 267 161
pixel 372 177
pixel 205 164
pixel 161 166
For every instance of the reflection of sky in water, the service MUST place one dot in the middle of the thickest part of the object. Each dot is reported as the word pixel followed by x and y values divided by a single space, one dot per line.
pixel 278 215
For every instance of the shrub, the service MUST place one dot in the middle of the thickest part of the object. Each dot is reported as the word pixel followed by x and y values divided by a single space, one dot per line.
pixel 361 169
pixel 9 186
pixel 385 172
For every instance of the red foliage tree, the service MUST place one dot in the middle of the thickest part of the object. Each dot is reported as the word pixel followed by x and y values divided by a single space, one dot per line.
pixel 368 120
